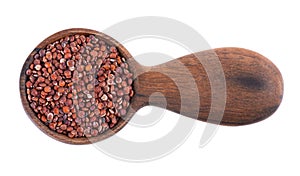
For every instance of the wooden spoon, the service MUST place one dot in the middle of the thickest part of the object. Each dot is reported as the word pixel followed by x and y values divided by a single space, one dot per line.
pixel 253 86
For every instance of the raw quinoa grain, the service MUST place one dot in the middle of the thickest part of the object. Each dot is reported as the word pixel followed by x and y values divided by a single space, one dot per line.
pixel 79 86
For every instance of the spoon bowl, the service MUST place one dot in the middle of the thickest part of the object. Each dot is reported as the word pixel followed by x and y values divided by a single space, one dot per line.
pixel 32 115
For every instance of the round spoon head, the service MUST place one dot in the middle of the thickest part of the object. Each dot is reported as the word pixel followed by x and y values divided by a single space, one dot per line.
pixel 33 115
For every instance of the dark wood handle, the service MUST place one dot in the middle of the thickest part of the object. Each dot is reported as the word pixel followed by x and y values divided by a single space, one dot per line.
pixel 249 90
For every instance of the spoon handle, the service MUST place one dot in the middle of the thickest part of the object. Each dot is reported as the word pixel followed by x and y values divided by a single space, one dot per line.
pixel 227 86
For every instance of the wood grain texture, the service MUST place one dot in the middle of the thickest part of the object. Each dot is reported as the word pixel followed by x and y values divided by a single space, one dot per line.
pixel 227 86
pixel 254 86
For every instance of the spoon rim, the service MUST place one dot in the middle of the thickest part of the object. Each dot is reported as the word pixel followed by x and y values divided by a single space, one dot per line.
pixel 33 116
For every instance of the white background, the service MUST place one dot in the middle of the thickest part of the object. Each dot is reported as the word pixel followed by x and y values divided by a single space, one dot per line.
pixel 266 148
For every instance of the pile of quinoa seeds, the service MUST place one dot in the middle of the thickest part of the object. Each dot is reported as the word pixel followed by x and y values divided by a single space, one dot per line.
pixel 79 86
